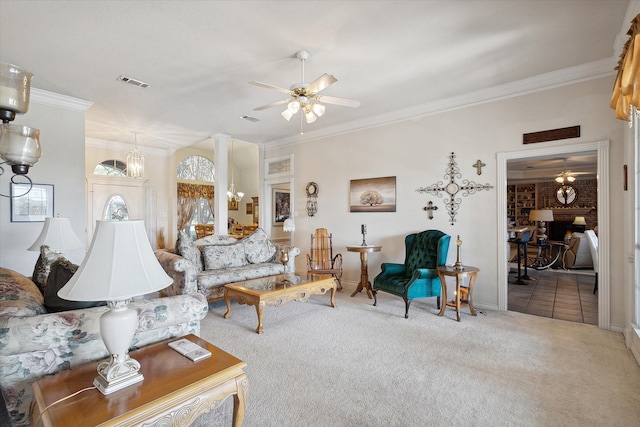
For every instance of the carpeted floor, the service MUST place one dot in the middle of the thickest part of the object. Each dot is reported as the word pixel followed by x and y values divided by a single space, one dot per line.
pixel 359 365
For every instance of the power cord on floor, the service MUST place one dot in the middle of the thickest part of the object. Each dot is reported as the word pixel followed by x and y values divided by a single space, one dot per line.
pixel 39 418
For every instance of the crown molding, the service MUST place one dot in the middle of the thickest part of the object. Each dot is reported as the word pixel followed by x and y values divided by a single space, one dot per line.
pixel 125 146
pixel 52 99
pixel 567 76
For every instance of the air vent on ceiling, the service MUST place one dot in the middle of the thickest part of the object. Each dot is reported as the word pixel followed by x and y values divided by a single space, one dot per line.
pixel 134 82
pixel 251 119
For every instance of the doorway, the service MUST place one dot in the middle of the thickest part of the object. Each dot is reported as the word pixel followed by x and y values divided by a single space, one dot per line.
pixel 602 150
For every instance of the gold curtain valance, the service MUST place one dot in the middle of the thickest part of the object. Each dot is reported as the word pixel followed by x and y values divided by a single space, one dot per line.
pixel 195 191
pixel 626 90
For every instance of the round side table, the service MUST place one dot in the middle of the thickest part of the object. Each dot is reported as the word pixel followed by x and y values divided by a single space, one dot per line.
pixel 467 271
pixel 364 273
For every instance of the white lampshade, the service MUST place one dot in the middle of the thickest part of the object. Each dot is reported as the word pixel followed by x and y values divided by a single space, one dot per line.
pixel 310 117
pixel 541 215
pixel 58 235
pixel 289 225
pixel 294 107
pixel 119 265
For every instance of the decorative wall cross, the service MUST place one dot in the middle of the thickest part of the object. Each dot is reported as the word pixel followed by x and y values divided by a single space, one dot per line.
pixel 430 208
pixel 479 165
pixel 452 188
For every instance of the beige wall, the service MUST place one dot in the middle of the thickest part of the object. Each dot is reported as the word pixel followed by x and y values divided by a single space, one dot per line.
pixel 416 152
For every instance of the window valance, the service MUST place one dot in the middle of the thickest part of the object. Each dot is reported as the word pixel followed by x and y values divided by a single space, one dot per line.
pixel 195 191
pixel 626 90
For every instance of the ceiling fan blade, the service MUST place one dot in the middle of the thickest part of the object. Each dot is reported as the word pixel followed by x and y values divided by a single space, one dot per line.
pixel 320 83
pixel 338 101
pixel 272 87
pixel 273 104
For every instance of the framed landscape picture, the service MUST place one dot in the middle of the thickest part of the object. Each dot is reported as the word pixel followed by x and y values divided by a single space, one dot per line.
pixel 373 195
pixel 31 205
pixel 281 206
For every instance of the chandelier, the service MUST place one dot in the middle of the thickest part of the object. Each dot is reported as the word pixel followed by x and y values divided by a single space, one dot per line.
pixel 232 194
pixel 135 161
pixel 565 176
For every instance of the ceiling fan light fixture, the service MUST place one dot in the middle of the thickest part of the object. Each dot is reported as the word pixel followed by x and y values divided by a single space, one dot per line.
pixel 559 179
pixel 287 114
pixel 293 107
pixel 318 109
pixel 310 117
pixel 571 178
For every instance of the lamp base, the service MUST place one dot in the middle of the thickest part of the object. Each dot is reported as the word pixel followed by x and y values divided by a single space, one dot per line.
pixel 114 376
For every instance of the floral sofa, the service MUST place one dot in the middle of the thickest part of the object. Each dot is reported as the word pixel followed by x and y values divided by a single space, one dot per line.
pixel 34 343
pixel 209 263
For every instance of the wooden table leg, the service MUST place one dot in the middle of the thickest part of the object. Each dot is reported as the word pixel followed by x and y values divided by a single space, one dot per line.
pixel 458 298
pixel 239 400
pixel 260 311
pixel 472 280
pixel 443 303
pixel 364 276
pixel 333 294
pixel 227 300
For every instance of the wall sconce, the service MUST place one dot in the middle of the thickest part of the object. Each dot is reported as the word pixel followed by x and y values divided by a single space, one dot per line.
pixel 19 145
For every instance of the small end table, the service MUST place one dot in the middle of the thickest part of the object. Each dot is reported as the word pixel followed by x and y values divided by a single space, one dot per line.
pixel 175 391
pixel 364 273
pixel 467 271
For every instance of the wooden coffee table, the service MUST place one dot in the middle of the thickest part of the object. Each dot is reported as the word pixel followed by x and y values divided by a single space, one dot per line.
pixel 278 290
pixel 175 391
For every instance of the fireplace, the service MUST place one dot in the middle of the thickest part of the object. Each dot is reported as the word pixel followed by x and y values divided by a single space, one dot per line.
pixel 556 230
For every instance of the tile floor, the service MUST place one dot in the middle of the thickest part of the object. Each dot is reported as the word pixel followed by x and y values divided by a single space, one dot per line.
pixel 559 294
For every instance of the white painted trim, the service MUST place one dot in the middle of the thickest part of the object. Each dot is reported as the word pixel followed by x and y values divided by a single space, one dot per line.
pixel 39 96
pixel 602 148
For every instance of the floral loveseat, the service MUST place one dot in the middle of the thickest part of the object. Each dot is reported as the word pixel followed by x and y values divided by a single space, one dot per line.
pixel 207 264
pixel 34 343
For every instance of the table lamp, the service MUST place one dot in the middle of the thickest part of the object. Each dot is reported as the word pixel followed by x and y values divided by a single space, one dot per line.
pixel 58 235
pixel 541 216
pixel 580 222
pixel 120 265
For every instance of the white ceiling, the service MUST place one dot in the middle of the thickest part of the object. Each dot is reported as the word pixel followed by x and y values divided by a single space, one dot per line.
pixel 401 59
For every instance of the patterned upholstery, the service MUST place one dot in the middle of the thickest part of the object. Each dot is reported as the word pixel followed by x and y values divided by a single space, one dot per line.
pixel 417 277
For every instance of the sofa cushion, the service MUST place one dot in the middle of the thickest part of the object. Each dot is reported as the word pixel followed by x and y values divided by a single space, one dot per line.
pixel 215 278
pixel 19 296
pixel 258 247
pixel 223 256
pixel 186 248
pixel 61 271
pixel 43 266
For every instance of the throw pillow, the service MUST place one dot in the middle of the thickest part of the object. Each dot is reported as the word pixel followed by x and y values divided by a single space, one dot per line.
pixel 224 256
pixel 258 247
pixel 186 248
pixel 61 271
pixel 43 266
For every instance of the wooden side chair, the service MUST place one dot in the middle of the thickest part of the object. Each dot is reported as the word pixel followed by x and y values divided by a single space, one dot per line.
pixel 203 230
pixel 321 259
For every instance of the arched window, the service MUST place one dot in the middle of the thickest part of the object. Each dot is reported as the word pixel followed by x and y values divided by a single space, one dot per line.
pixel 115 208
pixel 196 168
pixel 195 198
pixel 112 168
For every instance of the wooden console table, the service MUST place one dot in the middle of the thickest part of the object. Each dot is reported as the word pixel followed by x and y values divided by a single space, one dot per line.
pixel 364 271
pixel 468 271
pixel 175 391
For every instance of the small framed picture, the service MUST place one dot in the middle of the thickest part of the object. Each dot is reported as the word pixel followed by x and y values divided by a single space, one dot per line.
pixel 249 208
pixel 232 205
pixel 281 206
pixel 373 195
pixel 31 203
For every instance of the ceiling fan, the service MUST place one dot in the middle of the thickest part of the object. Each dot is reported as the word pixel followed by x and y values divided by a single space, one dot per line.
pixel 305 97
pixel 566 176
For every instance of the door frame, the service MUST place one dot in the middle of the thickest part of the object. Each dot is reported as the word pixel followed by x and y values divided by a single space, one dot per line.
pixel 602 150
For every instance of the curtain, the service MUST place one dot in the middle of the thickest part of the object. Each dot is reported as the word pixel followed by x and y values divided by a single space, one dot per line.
pixel 626 90
pixel 187 196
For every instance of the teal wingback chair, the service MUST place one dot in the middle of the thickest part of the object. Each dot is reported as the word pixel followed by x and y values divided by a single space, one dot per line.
pixel 417 277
